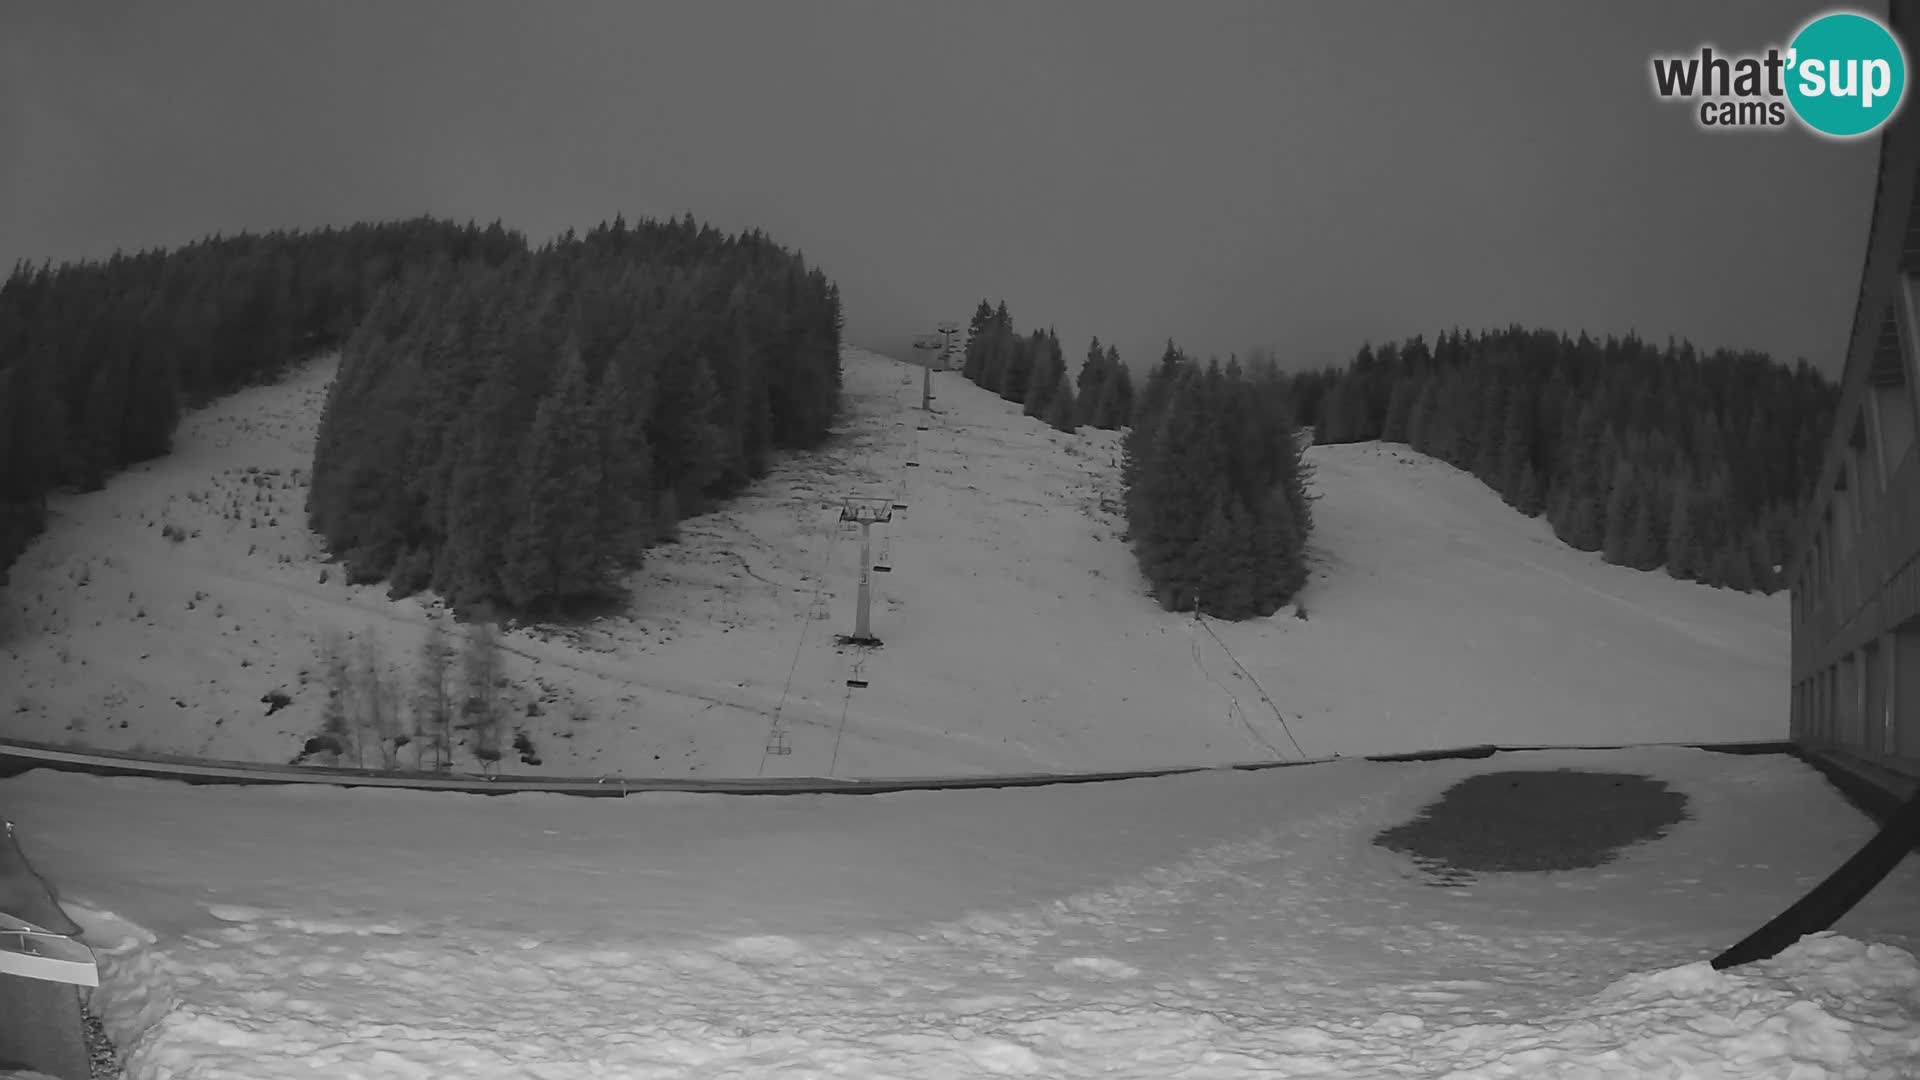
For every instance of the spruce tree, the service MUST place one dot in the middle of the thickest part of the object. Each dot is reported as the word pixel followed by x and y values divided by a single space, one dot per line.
pixel 480 484
pixel 1279 549
pixel 1223 559
pixel 1118 375
pixel 1022 364
pixel 1400 410
pixel 690 447
pixel 1248 584
pixel 1188 475
pixel 1048 372
pixel 1515 449
pixel 1760 562
pixel 1585 523
pixel 1680 537
pixel 1643 542
pixel 1063 411
pixel 1490 454
pixel 1153 397
pixel 1617 533
pixel 973 361
pixel 1735 568
pixel 974 354
pixel 1584 527
pixel 1527 498
pixel 626 467
pixel 1458 420
pixel 998 360
pixel 1330 423
pixel 1089 386
pixel 97 447
pixel 1359 421
pixel 1420 434
pixel 556 548
pixel 1138 449
pixel 1110 411
pixel 149 427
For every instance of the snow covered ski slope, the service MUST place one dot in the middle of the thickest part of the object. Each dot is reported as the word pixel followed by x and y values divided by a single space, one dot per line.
pixel 159 613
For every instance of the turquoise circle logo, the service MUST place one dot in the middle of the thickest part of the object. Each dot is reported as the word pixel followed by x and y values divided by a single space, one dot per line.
pixel 1847 75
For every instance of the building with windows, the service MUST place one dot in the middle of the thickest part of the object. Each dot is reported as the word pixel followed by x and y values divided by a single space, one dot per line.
pixel 1855 580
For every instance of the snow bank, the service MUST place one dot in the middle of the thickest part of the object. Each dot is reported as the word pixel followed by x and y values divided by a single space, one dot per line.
pixel 1212 925
pixel 281 997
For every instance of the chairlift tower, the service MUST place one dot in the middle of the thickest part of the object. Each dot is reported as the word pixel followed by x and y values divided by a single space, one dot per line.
pixel 777 743
pixel 866 515
pixel 947 332
pixel 927 345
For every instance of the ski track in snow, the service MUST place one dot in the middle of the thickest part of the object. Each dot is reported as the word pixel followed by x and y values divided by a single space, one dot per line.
pixel 1279 954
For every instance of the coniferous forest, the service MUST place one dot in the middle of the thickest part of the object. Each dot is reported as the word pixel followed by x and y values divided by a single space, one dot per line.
pixel 99 358
pixel 1654 457
pixel 1031 371
pixel 514 436
pixel 509 426
pixel 512 427
pixel 1216 492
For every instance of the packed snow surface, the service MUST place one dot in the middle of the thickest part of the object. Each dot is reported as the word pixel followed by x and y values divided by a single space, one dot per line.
pixel 160 613
pixel 1214 925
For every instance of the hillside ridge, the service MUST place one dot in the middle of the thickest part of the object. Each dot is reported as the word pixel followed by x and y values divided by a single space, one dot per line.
pixel 1017 634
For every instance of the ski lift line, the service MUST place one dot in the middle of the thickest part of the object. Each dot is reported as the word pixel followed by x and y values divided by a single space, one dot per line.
pixel 806 621
pixel 1256 682
pixel 845 704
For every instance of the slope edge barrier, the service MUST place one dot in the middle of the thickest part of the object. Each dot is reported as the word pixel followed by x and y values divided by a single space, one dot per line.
pixel 19 755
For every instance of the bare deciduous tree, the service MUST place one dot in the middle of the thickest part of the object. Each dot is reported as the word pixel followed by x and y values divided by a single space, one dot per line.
pixel 335 724
pixel 480 709
pixel 378 719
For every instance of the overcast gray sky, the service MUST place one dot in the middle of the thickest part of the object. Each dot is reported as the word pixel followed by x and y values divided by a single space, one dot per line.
pixel 1299 175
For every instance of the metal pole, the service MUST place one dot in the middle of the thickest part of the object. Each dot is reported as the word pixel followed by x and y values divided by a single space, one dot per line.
pixel 926 345
pixel 861 626
pixel 947 331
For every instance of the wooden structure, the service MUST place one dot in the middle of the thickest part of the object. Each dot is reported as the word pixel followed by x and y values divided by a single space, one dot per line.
pixel 42 968
pixel 1855 580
